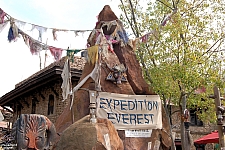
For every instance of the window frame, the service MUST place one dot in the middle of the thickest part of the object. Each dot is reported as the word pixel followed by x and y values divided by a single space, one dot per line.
pixel 52 107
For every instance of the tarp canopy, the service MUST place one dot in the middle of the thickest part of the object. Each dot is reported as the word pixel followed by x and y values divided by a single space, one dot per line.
pixel 213 137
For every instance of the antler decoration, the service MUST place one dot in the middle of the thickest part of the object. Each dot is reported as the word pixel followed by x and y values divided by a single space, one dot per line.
pixel 117 73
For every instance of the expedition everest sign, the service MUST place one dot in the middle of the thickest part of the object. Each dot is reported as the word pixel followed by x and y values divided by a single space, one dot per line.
pixel 130 111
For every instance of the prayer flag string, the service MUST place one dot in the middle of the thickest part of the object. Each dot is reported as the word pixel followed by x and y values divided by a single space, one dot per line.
pixel 35 46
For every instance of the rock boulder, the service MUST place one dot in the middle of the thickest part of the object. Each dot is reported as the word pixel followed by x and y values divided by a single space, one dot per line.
pixel 83 135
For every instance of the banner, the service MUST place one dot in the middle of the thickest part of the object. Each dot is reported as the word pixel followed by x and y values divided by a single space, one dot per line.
pixel 130 111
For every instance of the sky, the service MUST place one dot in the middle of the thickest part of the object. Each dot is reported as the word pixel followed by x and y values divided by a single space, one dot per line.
pixel 16 61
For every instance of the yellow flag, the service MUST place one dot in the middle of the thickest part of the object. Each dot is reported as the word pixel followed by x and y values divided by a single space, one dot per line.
pixel 93 54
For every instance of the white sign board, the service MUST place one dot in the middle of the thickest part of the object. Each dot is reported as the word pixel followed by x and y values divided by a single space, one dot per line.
pixel 130 111
pixel 138 133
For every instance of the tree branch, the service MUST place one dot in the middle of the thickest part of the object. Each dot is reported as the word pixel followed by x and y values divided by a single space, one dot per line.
pixel 181 94
pixel 130 23
pixel 164 100
pixel 174 112
pixel 165 4
pixel 214 51
pixel 188 10
pixel 145 68
pixel 189 93
pixel 213 45
pixel 134 19
pixel 173 4
pixel 153 61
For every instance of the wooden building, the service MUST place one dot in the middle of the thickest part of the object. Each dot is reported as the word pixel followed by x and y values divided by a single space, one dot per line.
pixel 41 93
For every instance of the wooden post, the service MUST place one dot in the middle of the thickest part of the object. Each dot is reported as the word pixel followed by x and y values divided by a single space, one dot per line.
pixel 220 127
pixel 71 97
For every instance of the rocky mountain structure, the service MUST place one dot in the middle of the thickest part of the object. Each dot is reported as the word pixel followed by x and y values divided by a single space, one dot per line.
pixel 114 68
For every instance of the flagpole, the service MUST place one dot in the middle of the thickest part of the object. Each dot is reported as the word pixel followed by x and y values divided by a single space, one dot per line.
pixel 71 97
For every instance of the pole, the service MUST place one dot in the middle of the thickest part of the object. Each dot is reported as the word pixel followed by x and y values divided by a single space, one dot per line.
pixel 71 97
pixel 186 130
pixel 220 127
pixel 185 141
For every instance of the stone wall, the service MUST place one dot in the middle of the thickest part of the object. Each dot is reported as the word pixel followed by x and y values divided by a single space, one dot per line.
pixel 42 95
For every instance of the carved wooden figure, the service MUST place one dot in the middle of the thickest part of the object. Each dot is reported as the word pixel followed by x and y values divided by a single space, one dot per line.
pixel 33 131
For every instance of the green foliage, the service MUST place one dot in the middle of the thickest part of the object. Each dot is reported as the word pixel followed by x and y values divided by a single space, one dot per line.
pixel 186 54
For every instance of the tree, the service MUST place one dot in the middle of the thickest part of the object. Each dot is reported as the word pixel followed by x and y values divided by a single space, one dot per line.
pixel 183 52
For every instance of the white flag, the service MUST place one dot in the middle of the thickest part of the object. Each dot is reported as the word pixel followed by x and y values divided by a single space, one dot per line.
pixel 3 25
pixel 66 81
pixel 1 116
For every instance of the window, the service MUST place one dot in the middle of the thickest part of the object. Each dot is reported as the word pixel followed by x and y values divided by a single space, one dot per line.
pixel 50 104
pixel 33 109
pixel 194 121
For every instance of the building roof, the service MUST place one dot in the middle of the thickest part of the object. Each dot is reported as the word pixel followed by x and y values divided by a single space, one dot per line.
pixel 44 76
pixel 78 65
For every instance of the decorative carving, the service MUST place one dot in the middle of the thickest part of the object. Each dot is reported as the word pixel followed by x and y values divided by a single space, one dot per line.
pixel 117 73
pixel 32 131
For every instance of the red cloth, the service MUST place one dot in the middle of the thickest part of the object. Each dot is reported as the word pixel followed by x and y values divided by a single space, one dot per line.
pixel 209 138
pixel 144 38
pixel 35 47
pixel 56 52
pixel 32 48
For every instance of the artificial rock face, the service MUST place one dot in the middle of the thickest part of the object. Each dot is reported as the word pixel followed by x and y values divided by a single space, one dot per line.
pixel 32 131
pixel 87 136
pixel 122 55
pixel 117 54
